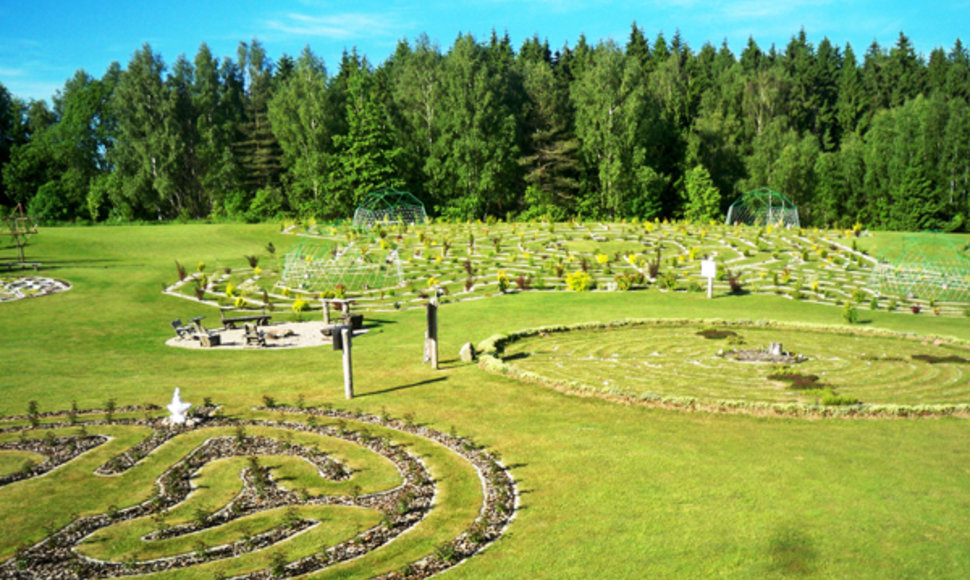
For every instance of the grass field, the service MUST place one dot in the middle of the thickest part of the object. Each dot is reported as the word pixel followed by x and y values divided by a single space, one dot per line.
pixel 607 490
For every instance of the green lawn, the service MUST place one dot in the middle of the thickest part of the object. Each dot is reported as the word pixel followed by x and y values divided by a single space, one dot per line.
pixel 608 490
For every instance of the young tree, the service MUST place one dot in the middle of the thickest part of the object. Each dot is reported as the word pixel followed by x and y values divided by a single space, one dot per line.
pixel 703 198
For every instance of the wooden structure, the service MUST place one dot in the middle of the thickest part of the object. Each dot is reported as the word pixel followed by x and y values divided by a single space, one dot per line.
pixel 20 227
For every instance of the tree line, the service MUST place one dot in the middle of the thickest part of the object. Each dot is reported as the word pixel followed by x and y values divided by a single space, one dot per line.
pixel 646 129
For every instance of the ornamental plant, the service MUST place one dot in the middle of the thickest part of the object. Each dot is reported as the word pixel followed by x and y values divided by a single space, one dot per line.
pixel 503 281
pixel 849 312
pixel 579 281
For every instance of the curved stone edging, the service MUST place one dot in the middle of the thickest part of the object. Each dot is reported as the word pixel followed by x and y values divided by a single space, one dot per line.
pixel 54 556
pixel 490 360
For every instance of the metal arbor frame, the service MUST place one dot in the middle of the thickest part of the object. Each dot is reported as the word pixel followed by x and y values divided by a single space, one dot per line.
pixel 391 206
pixel 313 267
pixel 763 206
pixel 925 266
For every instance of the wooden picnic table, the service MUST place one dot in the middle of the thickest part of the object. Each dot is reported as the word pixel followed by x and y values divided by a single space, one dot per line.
pixel 232 321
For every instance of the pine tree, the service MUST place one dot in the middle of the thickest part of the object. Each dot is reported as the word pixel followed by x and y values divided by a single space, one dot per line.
pixel 365 157
pixel 257 151
pixel 550 156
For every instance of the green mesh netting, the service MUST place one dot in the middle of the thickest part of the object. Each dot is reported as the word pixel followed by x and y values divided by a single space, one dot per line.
pixel 314 267
pixel 925 266
pixel 763 206
pixel 391 206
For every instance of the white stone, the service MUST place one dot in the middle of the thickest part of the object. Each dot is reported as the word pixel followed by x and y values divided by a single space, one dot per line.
pixel 467 353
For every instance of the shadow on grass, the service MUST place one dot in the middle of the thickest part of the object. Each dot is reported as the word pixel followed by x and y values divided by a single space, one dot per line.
pixel 402 387
pixel 792 552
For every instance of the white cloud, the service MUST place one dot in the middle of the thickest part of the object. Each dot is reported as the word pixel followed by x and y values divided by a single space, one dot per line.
pixel 335 26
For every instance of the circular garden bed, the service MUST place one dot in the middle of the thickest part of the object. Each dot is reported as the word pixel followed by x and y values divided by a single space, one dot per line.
pixel 727 366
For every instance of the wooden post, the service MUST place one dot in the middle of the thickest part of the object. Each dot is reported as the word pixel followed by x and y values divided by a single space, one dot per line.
pixel 345 333
pixel 432 334
pixel 326 312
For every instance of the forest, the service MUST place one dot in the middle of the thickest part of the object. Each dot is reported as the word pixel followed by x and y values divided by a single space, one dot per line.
pixel 646 129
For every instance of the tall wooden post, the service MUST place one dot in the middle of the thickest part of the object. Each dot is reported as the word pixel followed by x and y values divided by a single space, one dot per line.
pixel 345 333
pixel 326 312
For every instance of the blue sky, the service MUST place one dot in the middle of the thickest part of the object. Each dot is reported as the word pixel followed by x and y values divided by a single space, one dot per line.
pixel 43 42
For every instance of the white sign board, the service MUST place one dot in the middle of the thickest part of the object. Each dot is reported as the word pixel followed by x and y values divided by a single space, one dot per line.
pixel 708 269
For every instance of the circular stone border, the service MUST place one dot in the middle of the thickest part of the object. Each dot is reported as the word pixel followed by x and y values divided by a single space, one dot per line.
pixel 36 286
pixel 491 350
pixel 55 554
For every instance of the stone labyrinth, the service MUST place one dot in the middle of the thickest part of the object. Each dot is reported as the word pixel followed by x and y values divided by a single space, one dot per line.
pixel 16 288
pixel 298 491
pixel 698 362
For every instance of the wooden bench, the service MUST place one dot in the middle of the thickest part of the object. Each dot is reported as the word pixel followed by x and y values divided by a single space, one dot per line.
pixel 232 321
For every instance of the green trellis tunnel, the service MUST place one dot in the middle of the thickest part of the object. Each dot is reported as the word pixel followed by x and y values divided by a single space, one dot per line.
pixel 924 266
pixel 389 205
pixel 761 207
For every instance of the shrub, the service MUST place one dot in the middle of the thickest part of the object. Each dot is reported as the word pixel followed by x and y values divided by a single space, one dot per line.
pixel 300 305
pixel 623 282
pixel 181 270
pixel 503 281
pixel 579 281
pixel 253 261
pixel 849 312
pixel 832 399
pixel 668 281
pixel 735 283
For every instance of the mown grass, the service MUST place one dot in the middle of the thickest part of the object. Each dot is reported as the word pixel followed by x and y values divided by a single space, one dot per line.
pixel 608 490
pixel 673 360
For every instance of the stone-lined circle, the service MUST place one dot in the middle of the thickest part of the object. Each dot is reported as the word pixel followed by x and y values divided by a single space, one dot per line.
pixel 834 370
